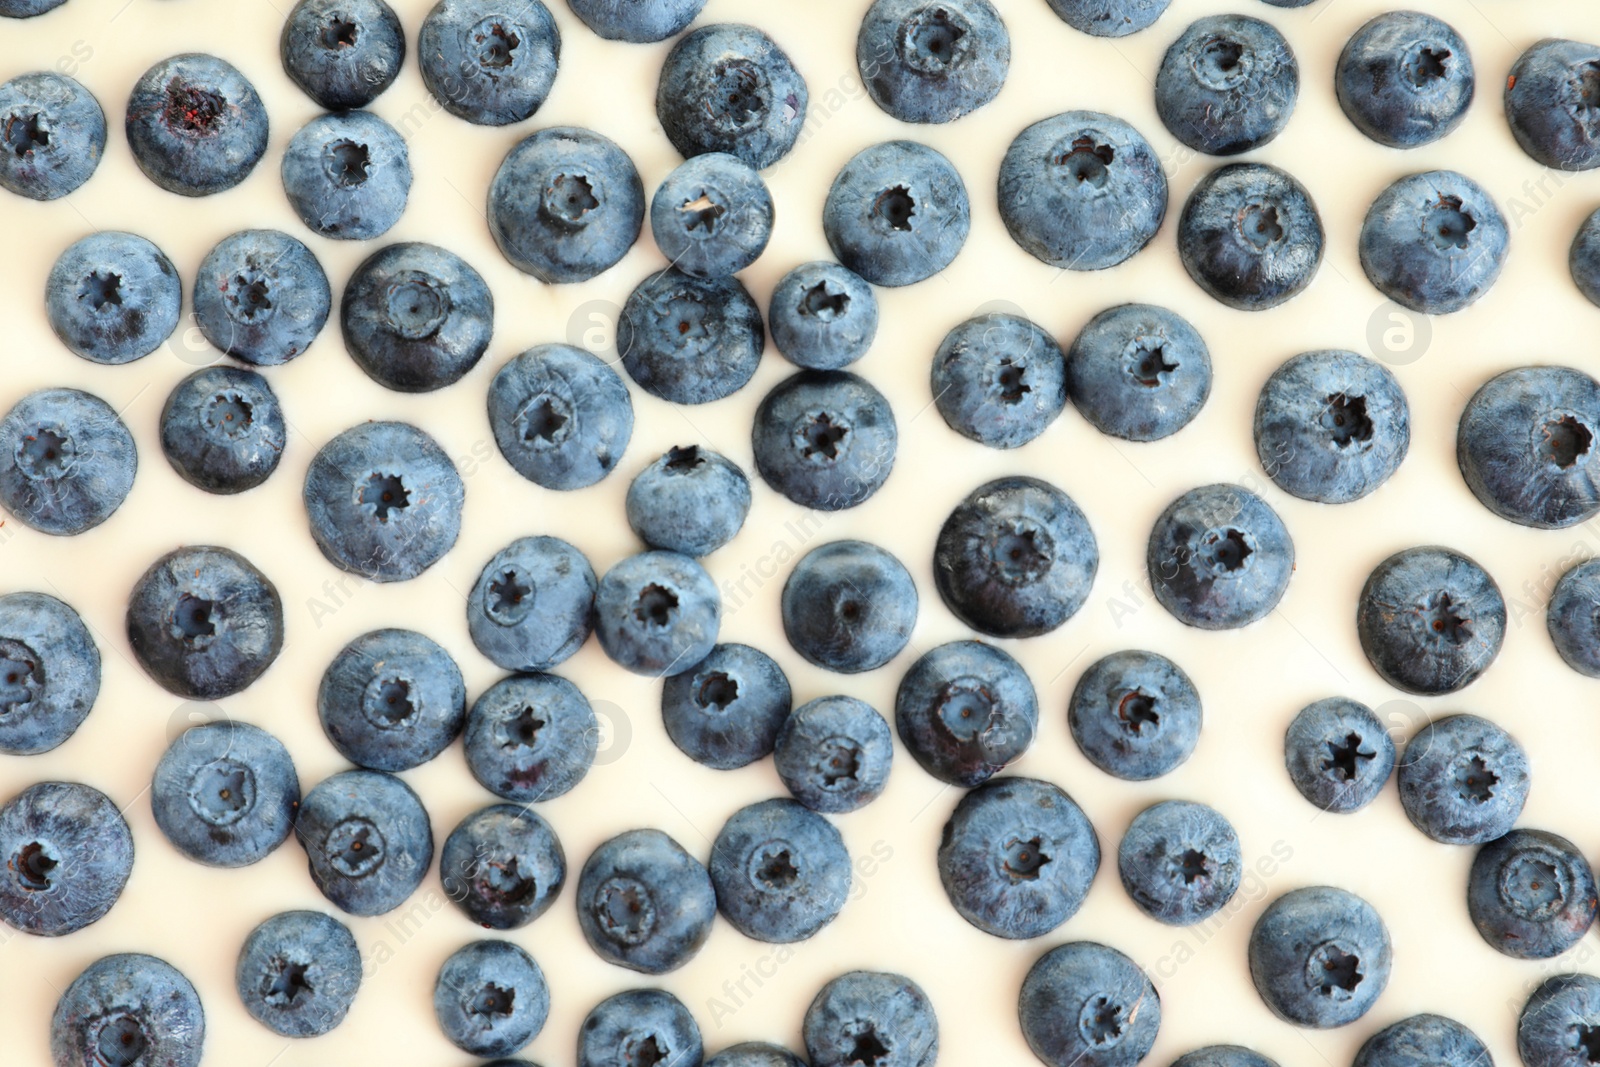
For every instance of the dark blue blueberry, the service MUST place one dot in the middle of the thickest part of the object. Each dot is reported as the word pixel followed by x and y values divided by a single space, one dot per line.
pixel 225 793
pixel 49 673
pixel 833 754
pixel 640 1028
pixel 1138 372
pixel 298 973
pixel 923 62
pixel 965 710
pixel 1227 85
pixel 53 133
pixel 644 903
pixel 897 213
pixel 1109 18
pixel 67 855
pixel 728 87
pixel 1320 957
pixel 384 501
pixel 1574 617
pixel 1250 236
pixel 712 216
pixel 367 839
pixel 113 297
pixel 503 866
pixel 416 317
pixel 196 125
pixel 690 340
pixel 560 416
pixel 1015 558
pixel 128 1010
pixel 1135 715
pixel 391 700
pixel 261 297
pixel 1423 1041
pixel 690 500
pixel 1583 261
pixel 636 23
pixel 781 872
pixel 1531 894
pixel 204 622
pixel 1552 102
pixel 1463 780
pixel 1179 862
pixel 825 439
pixel 1430 620
pixel 67 461
pixel 347 175
pixel 27 9
pixel 1219 558
pixel 1405 79
pixel 1331 426
pixel 999 380
pixel 849 606
pixel 1082 190
pixel 587 214
pixel 1084 1003
pixel 1560 1023
pixel 1433 242
pixel 1017 857
pixel 490 998
pixel 531 737
pixel 874 1017
pixel 533 604
pixel 1526 446
pixel 755 1054
pixel 657 613
pixel 1338 754
pixel 824 316
pixel 342 53
pixel 1229 1056
pixel 726 712
pixel 222 429
pixel 485 64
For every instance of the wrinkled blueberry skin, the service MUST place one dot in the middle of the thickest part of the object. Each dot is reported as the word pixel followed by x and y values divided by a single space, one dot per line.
pixel 825 439
pixel 342 53
pixel 1423 1041
pixel 1583 261
pixel 1082 191
pixel 1250 236
pixel 644 903
pixel 657 613
pixel 1573 617
pixel 897 213
pixel 999 380
pixel 1227 85
pixel 1430 620
pixel 67 854
pixel 638 1027
pixel 204 623
pixel 755 1054
pixel 67 461
pixel 416 317
pixel 49 673
pixel 1231 1056
pixel 533 604
pixel 27 9
pixel 1084 1003
pixel 222 430
pixel 1526 446
pixel 298 973
pixel 833 754
pixel 1017 857
pixel 849 606
pixel 1135 715
pixel 1138 372
pixel 1549 101
pixel 1405 79
pixel 113 297
pixel 1179 862
pixel 729 88
pixel 503 866
pixel 347 175
pixel 690 340
pixel 384 501
pixel 1531 894
pixel 1433 242
pixel 488 66
pixel 531 737
pixel 124 1002
pixel 726 712
pixel 261 297
pixel 379 812
pixel 1219 558
pixel 1338 754
pixel 712 216
pixel 491 998
pixel 1565 1006
pixel 1331 426
pixel 690 500
pixel 866 1007
pixel 965 710
pixel 391 700
pixel 56 133
pixel 636 23
pixel 824 315
pixel 560 416
pixel 1109 18
pixel 1463 780
pixel 196 125
pixel 1320 957
pixel 781 872
pixel 225 793
pixel 932 64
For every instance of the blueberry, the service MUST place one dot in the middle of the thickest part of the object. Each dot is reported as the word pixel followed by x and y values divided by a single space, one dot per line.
pixel 1430 620
pixel 932 63
pixel 113 297
pixel 727 710
pixel 204 623
pixel 833 754
pixel 999 380
pixel 1583 261
pixel 712 216
pixel 1531 894
pixel 849 606
pixel 965 710
pixel 128 1010
pixel 384 501
pixel 656 613
pixel 485 65
pixel 781 873
pixel 1550 100
pixel 1560 1023
pixel 560 416
pixel 67 461
pixel 1525 446
pixel 49 673
pixel 196 125
pixel 1082 191
pixel 1085 1003
pixel 874 1017
pixel 690 500
pixel 1138 372
pixel 897 213
pixel 1219 558
pixel 728 87
pixel 261 297
pixel 1015 558
pixel 1320 957
pixel 1338 754
pixel 1463 780
pixel 1405 79
pixel 503 866
pixel 531 737
pixel 639 1028
pixel 1331 426
pixel 391 700
pixel 1017 857
pixel 1573 619
pixel 1179 862
pixel 644 903
pixel 55 132
pixel 225 793
pixel 347 175
pixel 1423 1041
pixel 533 604
pixel 1250 236
pixel 690 340
pixel 416 317
pixel 1135 715
pixel 222 430
pixel 1109 18
pixel 298 973
pixel 1227 85
pixel 825 439
pixel 588 213
pixel 1433 242
pixel 755 1054
pixel 27 9
pixel 68 854
pixel 367 840
pixel 824 316
pixel 647 23
pixel 342 53
pixel 490 998
pixel 1228 1056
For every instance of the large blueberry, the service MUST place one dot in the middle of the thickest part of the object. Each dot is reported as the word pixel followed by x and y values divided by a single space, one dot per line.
pixel 1180 862
pixel 712 216
pixel 196 125
pixel 999 380
pixel 639 1028
pixel 1250 236
pixel 1434 242
pixel 1430 620
pixel 298 973
pixel 225 793
pixel 49 673
pixel 728 87
pixel 1087 1003
pixel 560 416
pixel 690 500
pixel 1320 957
pixel 849 606
pixel 1463 780
pixel 367 840
pixel 924 62
pixel 1135 715
pixel 1531 894
pixel 1405 79
pixel 347 175
pixel 1139 372
pixel 503 866
pixel 781 871
pixel 491 998
pixel 67 854
pixel 128 1009
pixel 1424 1041
pixel 67 461
pixel 113 297
pixel 533 604
pixel 657 613
pixel 530 737
pixel 1338 754
pixel 966 710
pixel 897 213
pixel 825 439
pixel 690 340
pixel 1227 85
pixel 54 132
pixel 416 317
pixel 644 903
pixel 1574 617
pixel 1552 102
pixel 833 754
pixel 261 297
pixel 1560 1022
pixel 871 1017
pixel 222 429
pixel 487 64
pixel 1219 557
pixel 391 700
pixel 342 53
pixel 728 710
pixel 824 315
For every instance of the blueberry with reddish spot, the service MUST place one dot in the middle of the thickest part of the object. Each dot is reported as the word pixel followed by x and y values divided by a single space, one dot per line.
pixel 503 866
pixel 53 132
pixel 196 125
pixel 530 737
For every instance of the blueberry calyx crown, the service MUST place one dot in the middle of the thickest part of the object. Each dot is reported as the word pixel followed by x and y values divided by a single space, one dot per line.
pixel 934 39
